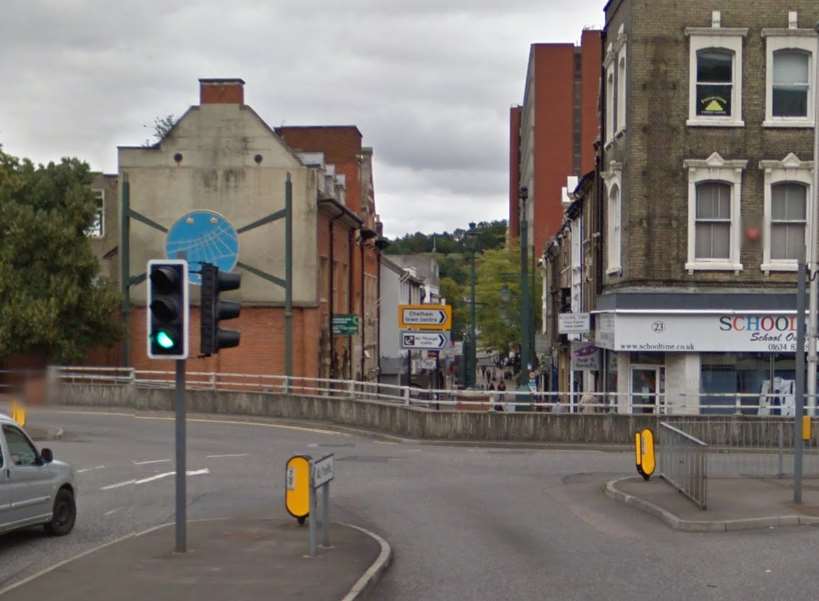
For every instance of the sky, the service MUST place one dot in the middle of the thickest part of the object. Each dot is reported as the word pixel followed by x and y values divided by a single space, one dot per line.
pixel 428 83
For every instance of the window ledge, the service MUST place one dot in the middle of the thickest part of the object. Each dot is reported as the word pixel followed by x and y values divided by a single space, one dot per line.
pixel 608 144
pixel 712 122
pixel 792 123
pixel 779 266
pixel 713 266
pixel 620 133
pixel 618 270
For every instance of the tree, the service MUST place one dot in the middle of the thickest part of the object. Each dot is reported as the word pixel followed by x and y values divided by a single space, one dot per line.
pixel 454 292
pixel 498 299
pixel 53 302
pixel 161 126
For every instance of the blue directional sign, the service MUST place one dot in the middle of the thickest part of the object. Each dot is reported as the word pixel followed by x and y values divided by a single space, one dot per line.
pixel 205 237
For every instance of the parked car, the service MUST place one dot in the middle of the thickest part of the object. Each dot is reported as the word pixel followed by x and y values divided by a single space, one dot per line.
pixel 34 488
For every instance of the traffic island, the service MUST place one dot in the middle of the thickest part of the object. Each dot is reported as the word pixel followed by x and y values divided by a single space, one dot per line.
pixel 236 559
pixel 733 503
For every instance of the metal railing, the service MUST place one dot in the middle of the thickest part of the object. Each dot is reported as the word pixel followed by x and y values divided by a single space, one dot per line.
pixel 644 403
pixel 684 463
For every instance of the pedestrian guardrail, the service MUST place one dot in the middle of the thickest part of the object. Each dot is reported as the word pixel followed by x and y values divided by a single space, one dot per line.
pixel 684 463
pixel 509 401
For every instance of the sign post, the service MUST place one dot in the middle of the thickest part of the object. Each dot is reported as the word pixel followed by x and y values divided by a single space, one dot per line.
pixel 322 472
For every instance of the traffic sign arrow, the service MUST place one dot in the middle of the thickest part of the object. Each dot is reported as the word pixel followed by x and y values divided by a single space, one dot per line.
pixel 424 340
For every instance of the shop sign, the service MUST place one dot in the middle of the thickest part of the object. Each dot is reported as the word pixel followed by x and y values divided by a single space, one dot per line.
pixel 574 323
pixel 585 356
pixel 751 332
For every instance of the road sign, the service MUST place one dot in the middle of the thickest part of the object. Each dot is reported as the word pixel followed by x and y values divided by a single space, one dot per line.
pixel 205 237
pixel 324 470
pixel 345 324
pixel 574 323
pixel 424 340
pixel 425 317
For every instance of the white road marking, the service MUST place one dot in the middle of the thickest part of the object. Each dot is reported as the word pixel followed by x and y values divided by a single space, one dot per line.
pixel 384 442
pixel 227 455
pixel 90 469
pixel 112 511
pixel 151 461
pixel 312 445
pixel 154 478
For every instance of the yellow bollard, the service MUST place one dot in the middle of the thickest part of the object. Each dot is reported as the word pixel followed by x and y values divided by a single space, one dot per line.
pixel 644 453
pixel 806 428
pixel 297 487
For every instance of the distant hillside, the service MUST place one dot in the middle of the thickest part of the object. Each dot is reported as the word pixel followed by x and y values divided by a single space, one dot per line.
pixel 491 235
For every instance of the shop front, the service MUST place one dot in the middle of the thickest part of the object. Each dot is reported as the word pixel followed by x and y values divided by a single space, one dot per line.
pixel 698 361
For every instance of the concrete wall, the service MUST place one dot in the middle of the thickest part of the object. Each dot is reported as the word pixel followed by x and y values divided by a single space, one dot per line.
pixel 406 422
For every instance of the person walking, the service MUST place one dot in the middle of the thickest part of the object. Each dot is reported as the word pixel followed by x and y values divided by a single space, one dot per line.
pixel 501 395
pixel 492 395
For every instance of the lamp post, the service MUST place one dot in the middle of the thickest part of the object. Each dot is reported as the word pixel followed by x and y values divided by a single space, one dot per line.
pixel 472 356
pixel 812 239
pixel 523 377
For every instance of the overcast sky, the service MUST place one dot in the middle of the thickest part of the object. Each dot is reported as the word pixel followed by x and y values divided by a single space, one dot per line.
pixel 428 83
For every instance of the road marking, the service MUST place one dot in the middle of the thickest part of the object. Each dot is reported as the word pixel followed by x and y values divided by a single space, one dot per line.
pixel 112 511
pixel 154 478
pixel 151 461
pixel 313 445
pixel 90 469
pixel 384 442
pixel 225 455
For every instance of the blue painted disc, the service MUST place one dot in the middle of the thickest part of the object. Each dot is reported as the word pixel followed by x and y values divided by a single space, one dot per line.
pixel 205 237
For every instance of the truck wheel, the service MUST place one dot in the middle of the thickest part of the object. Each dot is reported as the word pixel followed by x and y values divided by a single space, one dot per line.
pixel 64 514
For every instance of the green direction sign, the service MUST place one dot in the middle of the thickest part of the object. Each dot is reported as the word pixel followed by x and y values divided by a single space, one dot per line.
pixel 345 324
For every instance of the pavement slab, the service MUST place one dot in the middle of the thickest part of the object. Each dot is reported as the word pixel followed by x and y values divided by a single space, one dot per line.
pixel 235 559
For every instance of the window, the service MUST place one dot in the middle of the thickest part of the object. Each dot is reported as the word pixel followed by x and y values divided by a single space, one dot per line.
pixel 621 91
pixel 713 221
pixel 610 116
pixel 788 221
pixel 96 230
pixel 789 77
pixel 715 82
pixel 614 228
pixel 791 83
pixel 21 450
pixel 715 87
pixel 714 192
pixel 788 186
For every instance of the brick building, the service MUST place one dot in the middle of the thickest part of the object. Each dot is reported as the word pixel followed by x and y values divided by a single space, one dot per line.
pixel 221 156
pixel 552 133
pixel 706 196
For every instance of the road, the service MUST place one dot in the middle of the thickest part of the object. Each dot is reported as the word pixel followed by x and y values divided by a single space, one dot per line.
pixel 467 523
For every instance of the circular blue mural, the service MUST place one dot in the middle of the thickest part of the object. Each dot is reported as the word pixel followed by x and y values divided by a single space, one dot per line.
pixel 205 237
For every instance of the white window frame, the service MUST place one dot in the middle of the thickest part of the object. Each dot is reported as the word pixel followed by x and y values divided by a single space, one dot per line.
pixel 614 177
pixel 724 38
pixel 789 39
pixel 788 170
pixel 715 169
pixel 622 68
pixel 611 90
pixel 101 194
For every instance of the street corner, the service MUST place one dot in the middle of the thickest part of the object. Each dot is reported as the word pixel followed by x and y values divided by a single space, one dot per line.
pixel 237 559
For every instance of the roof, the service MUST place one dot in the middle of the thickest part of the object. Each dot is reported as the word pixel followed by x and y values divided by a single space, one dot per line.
pixel 341 210
pixel 221 80
pixel 6 419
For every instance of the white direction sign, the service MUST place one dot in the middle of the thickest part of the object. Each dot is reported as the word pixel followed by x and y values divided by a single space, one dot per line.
pixel 424 340
pixel 324 470
pixel 574 323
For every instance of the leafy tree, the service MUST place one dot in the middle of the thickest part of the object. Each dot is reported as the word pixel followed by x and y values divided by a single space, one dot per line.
pixel 498 299
pixel 52 301
pixel 454 294
pixel 161 127
pixel 491 235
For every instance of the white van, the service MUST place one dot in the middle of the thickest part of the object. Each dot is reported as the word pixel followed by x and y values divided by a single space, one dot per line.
pixel 34 488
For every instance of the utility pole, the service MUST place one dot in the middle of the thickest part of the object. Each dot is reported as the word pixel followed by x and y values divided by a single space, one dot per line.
pixel 524 290
pixel 473 314
pixel 799 396
pixel 813 213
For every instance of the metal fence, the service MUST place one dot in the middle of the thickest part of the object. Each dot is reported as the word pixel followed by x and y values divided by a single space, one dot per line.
pixel 644 403
pixel 684 463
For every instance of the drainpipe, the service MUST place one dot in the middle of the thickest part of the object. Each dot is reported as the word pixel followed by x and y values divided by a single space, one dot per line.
pixel 363 304
pixel 378 313
pixel 350 294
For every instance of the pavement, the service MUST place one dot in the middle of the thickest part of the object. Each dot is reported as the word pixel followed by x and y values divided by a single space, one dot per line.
pixel 236 559
pixel 471 523
pixel 733 503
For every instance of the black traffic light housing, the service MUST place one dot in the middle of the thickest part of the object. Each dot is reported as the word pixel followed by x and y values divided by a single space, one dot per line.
pixel 167 311
pixel 214 282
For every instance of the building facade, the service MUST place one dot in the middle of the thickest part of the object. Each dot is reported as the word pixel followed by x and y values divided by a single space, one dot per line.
pixel 552 133
pixel 398 287
pixel 706 181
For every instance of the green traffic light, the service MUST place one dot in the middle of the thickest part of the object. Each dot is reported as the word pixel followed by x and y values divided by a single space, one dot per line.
pixel 164 340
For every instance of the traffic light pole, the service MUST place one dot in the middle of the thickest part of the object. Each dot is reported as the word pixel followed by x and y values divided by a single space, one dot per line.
pixel 181 459
pixel 288 271
pixel 524 292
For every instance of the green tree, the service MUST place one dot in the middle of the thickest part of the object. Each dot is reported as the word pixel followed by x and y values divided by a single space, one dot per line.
pixel 53 302
pixel 454 292
pixel 498 299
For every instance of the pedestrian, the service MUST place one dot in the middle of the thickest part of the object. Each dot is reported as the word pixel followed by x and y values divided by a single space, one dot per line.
pixel 492 394
pixel 501 395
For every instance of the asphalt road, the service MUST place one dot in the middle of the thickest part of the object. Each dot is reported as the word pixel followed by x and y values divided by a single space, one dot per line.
pixel 465 522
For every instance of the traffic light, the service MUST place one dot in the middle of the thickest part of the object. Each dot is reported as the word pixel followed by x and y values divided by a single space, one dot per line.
pixel 214 310
pixel 168 309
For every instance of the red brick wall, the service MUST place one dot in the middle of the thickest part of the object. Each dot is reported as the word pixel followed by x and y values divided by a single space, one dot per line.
pixel 554 117
pixel 514 170
pixel 221 93
pixel 590 46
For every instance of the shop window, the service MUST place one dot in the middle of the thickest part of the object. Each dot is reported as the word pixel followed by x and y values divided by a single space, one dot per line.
pixel 728 380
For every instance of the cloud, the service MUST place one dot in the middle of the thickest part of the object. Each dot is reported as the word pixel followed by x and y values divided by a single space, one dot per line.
pixel 428 83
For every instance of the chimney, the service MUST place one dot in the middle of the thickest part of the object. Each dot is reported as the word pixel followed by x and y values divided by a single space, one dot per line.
pixel 222 91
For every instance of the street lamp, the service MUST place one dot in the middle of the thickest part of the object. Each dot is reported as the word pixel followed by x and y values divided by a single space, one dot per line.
pixel 812 238
pixel 523 377
pixel 472 354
